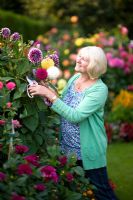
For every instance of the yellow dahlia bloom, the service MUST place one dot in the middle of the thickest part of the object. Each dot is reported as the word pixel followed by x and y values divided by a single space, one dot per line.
pixel 66 51
pixel 47 63
pixel 125 99
pixel 91 40
pixel 79 41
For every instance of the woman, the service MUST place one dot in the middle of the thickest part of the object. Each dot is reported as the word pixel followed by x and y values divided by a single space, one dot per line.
pixel 82 109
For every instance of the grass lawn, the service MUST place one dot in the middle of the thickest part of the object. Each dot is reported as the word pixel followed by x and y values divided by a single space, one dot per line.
pixel 120 168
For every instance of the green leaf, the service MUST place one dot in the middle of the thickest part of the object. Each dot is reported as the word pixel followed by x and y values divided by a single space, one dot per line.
pixel 29 110
pixel 23 66
pixel 72 195
pixel 53 151
pixel 6 78
pixel 40 103
pixel 78 170
pixel 22 180
pixel 31 122
pixel 39 139
pixel 20 91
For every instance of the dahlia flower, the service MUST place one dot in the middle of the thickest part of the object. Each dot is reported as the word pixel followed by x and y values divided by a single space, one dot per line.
pixel 16 124
pixel 20 149
pixel 5 32
pixel 33 159
pixel 49 173
pixel 35 55
pixel 2 176
pixel 69 177
pixel 47 63
pixel 41 73
pixel 24 169
pixel 40 187
pixel 17 197
pixel 2 122
pixel 53 72
pixel 10 85
pixel 15 36
pixel 1 85
pixel 55 58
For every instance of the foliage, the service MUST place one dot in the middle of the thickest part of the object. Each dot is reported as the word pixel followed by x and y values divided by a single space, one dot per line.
pixel 87 11
pixel 55 176
pixel 14 6
pixel 38 126
pixel 28 27
pixel 122 108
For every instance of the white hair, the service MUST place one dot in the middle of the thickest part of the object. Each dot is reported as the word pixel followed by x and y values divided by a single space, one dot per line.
pixel 97 62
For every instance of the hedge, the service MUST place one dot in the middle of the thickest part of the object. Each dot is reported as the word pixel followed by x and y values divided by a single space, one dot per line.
pixel 27 27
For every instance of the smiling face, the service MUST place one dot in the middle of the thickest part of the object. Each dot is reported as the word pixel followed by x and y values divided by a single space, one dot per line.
pixel 82 62
pixel 91 60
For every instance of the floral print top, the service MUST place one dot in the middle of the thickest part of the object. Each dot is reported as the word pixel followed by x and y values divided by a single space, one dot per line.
pixel 70 142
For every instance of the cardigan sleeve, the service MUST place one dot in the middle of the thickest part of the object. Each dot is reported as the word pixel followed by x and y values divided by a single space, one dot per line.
pixel 91 103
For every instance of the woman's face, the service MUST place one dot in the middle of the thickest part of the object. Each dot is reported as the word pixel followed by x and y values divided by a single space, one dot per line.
pixel 82 63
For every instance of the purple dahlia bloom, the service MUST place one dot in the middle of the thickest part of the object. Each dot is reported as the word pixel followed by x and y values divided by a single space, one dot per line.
pixel 5 32
pixel 15 36
pixel 35 55
pixel 55 58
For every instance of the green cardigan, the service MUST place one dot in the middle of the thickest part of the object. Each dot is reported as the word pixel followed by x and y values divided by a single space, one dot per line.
pixel 89 115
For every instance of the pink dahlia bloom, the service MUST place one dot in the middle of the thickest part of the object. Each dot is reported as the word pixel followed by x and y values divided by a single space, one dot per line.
pixel 2 122
pixel 17 197
pixel 116 62
pixel 40 187
pixel 24 169
pixel 124 54
pixel 9 104
pixel 2 176
pixel 20 149
pixel 41 73
pixel 35 55
pixel 49 173
pixel 10 85
pixel 123 30
pixel 130 87
pixel 109 55
pixel 33 159
pixel 16 124
pixel 69 177
pixel 1 85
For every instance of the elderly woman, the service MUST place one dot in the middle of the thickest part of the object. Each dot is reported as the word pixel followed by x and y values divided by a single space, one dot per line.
pixel 82 117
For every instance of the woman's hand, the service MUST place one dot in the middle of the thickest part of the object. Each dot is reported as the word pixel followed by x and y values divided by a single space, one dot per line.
pixel 41 90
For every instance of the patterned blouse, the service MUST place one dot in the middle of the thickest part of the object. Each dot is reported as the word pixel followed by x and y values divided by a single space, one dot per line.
pixel 70 142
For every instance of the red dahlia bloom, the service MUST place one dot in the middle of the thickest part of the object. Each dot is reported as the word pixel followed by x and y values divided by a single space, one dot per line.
pixel 20 149
pixel 24 169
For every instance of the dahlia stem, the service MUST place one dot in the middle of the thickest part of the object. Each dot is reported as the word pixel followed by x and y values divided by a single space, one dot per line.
pixel 11 140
